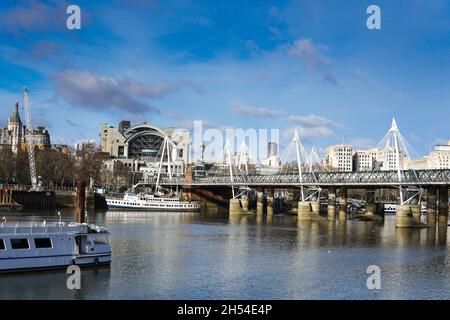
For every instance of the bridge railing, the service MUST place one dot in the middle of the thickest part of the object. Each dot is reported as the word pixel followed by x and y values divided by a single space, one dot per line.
pixel 416 177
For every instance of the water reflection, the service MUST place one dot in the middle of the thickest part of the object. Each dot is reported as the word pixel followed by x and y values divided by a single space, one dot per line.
pixel 160 255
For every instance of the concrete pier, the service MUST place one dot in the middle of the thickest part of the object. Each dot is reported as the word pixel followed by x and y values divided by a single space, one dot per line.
pixel 370 212
pixel 244 204
pixel 331 208
pixel 270 205
pixel 370 203
pixel 342 203
pixel 404 217
pixel 431 206
pixel 315 211
pixel 416 211
pixel 260 203
pixel 304 211
pixel 443 205
pixel 235 207
pixel 315 206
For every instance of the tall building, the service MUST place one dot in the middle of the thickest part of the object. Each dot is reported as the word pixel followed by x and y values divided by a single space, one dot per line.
pixel 364 160
pixel 143 142
pixel 15 134
pixel 339 157
pixel 40 138
pixel 11 136
pixel 440 157
pixel 387 159
pixel 272 159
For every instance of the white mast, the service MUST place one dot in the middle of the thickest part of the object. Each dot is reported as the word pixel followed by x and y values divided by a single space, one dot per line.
pixel 243 157
pixel 394 129
pixel 160 163
pixel 300 174
pixel 230 164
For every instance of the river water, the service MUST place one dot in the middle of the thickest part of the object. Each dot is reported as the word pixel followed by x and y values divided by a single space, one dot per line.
pixel 209 256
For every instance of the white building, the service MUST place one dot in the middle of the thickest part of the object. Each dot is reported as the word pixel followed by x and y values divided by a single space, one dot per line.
pixel 11 136
pixel 387 159
pixel 339 157
pixel 16 134
pixel 364 160
pixel 439 158
pixel 139 147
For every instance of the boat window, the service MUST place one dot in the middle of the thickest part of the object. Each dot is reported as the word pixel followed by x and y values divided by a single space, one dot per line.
pixel 20 244
pixel 2 244
pixel 100 240
pixel 42 243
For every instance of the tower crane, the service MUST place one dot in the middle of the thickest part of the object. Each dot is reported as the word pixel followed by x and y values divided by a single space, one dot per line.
pixel 30 147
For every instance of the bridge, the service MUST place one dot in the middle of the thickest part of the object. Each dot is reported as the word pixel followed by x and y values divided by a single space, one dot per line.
pixel 297 171
pixel 322 179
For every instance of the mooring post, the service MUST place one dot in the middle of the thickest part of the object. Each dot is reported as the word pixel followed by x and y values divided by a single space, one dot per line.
pixel 81 200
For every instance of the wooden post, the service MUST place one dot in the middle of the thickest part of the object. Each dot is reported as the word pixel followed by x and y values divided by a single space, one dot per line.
pixel 81 200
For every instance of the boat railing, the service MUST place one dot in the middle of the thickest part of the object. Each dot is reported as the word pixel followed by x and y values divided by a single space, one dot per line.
pixel 42 227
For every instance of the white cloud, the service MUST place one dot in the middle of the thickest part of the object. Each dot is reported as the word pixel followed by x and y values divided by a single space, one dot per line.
pixel 312 120
pixel 254 111
pixel 314 57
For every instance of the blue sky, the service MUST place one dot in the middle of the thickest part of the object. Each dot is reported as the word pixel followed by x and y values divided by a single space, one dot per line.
pixel 310 65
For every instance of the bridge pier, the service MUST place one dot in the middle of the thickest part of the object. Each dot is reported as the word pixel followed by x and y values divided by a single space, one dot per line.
pixel 443 205
pixel 304 211
pixel 343 203
pixel 371 207
pixel 431 206
pixel 260 203
pixel 270 202
pixel 404 217
pixel 235 207
pixel 244 204
pixel 331 207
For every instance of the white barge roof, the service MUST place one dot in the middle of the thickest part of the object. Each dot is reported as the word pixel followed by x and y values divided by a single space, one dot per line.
pixel 44 227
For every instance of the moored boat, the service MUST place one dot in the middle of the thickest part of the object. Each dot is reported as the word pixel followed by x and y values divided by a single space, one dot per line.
pixel 151 202
pixel 42 245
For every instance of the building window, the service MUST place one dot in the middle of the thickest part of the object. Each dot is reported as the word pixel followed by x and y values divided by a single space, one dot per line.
pixel 2 244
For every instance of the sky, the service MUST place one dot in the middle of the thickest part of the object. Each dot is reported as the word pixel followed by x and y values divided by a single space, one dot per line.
pixel 308 65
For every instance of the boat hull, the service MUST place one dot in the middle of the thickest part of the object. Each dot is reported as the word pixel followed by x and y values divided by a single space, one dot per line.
pixel 133 208
pixel 52 262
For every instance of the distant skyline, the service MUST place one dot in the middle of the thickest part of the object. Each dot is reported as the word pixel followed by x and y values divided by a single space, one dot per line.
pixel 306 65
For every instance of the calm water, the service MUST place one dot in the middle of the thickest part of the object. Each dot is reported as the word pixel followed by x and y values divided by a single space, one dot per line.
pixel 198 256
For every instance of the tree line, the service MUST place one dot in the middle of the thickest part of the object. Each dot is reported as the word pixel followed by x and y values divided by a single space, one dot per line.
pixel 56 169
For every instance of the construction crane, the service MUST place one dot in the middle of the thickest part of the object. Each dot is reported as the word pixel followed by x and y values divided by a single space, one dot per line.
pixel 30 147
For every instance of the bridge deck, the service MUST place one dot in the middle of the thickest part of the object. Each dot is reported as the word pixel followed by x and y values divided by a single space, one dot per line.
pixel 323 179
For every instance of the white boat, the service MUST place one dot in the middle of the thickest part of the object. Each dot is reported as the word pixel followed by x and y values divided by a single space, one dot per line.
pixel 42 245
pixel 392 208
pixel 150 202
